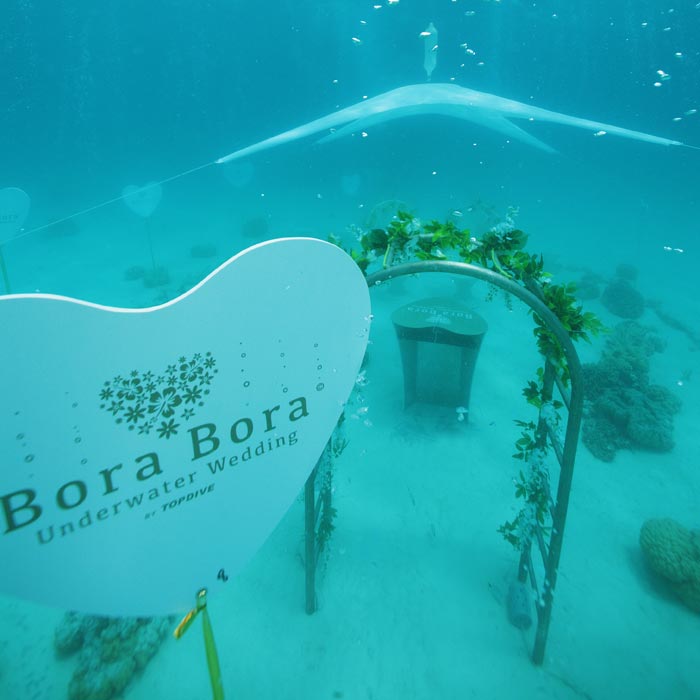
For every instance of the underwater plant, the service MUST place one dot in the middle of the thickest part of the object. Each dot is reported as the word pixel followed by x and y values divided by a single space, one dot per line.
pixel 502 250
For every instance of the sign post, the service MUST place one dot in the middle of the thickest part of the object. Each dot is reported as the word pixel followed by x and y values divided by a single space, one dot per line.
pixel 127 433
pixel 14 207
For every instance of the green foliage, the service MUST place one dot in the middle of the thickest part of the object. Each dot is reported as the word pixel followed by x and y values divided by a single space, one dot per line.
pixel 399 234
pixel 526 444
pixel 533 488
pixel 326 526
pixel 501 250
pixel 334 449
pixel 362 260
pixel 376 241
pixel 440 237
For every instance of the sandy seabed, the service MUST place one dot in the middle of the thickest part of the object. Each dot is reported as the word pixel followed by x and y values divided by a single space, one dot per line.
pixel 412 587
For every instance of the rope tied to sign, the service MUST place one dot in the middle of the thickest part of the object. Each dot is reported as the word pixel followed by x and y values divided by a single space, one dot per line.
pixel 209 644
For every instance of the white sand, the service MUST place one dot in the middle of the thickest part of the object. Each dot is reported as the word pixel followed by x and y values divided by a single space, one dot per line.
pixel 412 588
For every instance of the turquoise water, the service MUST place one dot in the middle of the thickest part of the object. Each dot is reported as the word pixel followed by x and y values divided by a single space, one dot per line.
pixel 413 585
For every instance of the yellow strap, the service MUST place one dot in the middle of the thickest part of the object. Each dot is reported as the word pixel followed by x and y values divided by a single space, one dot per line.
pixel 185 623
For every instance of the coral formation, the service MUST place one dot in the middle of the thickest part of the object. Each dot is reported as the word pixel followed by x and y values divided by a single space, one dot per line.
pixel 623 409
pixel 110 651
pixel 70 633
pixel 622 299
pixel 256 229
pixel 203 250
pixel 135 272
pixel 156 277
pixel 673 552
pixel 626 272
pixel 675 323
pixel 588 286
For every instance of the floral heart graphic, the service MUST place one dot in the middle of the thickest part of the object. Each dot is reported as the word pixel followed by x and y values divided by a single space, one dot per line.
pixel 145 451
pixel 147 401
pixel 14 208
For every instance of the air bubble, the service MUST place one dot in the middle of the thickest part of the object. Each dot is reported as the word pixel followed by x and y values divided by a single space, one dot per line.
pixel 285 390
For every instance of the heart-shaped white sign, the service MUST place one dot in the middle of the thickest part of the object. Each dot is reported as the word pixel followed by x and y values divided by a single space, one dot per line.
pixel 143 200
pixel 149 453
pixel 14 208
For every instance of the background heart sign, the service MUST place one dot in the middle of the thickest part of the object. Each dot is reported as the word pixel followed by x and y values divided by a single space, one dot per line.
pixel 14 207
pixel 144 451
pixel 143 200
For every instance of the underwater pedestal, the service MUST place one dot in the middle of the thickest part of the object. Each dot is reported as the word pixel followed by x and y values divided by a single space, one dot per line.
pixel 439 339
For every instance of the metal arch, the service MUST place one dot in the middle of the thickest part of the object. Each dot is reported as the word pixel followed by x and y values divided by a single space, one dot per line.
pixel 498 280
pixel 566 453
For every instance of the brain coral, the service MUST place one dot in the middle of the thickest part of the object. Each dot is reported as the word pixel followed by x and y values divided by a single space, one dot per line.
pixel 673 552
